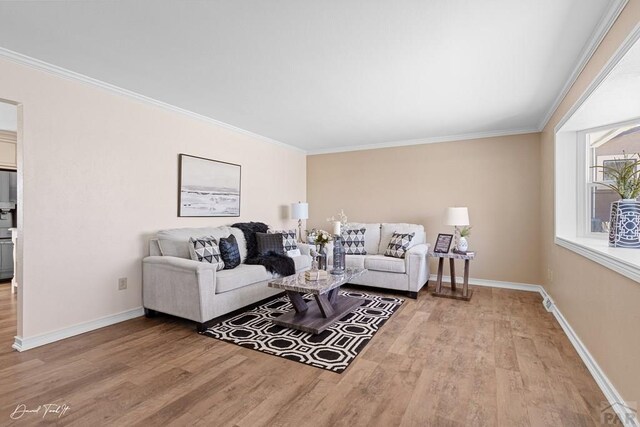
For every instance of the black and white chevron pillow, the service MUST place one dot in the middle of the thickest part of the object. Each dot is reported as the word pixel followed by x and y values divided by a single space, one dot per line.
pixel 353 241
pixel 289 243
pixel 399 244
pixel 205 249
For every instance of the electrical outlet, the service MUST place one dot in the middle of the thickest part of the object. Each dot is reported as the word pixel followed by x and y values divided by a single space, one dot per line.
pixel 122 283
pixel 550 275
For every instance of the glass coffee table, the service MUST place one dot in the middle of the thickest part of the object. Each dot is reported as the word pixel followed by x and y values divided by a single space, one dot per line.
pixel 329 306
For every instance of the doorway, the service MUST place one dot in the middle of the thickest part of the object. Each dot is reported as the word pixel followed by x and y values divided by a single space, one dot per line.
pixel 10 297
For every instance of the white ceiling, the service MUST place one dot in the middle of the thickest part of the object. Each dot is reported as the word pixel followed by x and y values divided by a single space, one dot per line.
pixel 325 75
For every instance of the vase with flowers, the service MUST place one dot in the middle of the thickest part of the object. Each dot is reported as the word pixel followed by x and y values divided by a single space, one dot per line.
pixel 322 239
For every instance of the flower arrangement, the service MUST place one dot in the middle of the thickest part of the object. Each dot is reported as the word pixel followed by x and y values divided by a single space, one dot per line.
pixel 465 231
pixel 322 237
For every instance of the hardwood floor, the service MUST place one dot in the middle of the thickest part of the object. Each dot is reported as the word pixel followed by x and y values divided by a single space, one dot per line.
pixel 499 359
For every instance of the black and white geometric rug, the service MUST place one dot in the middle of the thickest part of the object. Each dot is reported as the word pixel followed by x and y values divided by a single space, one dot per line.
pixel 334 349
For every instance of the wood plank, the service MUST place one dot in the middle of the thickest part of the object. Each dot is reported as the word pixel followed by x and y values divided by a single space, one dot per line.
pixel 499 359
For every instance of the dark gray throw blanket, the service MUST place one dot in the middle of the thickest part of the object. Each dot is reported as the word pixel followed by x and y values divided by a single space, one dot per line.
pixel 272 261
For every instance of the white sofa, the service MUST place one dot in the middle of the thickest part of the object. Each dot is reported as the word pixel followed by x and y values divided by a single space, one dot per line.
pixel 172 283
pixel 409 274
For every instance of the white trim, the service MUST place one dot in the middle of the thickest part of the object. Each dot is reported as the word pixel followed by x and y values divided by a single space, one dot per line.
pixel 613 397
pixel 420 141
pixel 72 75
pixel 628 43
pixel 617 264
pixel 22 344
pixel 493 284
pixel 590 48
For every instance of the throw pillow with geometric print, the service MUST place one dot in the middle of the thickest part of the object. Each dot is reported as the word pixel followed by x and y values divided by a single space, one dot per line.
pixel 289 243
pixel 353 241
pixel 399 244
pixel 205 249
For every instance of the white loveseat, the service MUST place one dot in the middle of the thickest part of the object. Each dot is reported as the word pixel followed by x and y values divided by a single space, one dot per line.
pixel 409 274
pixel 172 283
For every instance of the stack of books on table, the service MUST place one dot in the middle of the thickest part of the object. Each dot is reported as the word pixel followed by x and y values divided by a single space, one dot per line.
pixel 316 274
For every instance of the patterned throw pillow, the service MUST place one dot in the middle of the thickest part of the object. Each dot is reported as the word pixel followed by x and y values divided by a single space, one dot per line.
pixel 229 252
pixel 399 244
pixel 353 241
pixel 205 249
pixel 289 243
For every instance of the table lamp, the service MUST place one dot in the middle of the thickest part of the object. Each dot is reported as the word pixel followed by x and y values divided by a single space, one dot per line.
pixel 458 217
pixel 300 211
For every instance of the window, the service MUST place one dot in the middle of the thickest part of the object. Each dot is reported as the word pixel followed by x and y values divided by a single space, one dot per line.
pixel 602 125
pixel 606 149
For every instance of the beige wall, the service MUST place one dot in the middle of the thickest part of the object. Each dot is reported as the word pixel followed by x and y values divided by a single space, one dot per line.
pixel 601 305
pixel 100 175
pixel 497 178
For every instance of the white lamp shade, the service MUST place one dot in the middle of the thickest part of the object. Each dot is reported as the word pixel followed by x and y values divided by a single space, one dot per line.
pixel 456 216
pixel 299 210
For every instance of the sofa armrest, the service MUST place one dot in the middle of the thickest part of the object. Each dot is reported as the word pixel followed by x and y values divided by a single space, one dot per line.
pixel 417 266
pixel 420 249
pixel 305 248
pixel 178 286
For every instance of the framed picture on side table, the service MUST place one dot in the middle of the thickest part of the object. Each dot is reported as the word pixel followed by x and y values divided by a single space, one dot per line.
pixel 443 243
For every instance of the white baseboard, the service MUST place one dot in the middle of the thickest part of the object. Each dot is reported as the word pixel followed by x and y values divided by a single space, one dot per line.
pixel 616 401
pixel 492 284
pixel 613 397
pixel 22 344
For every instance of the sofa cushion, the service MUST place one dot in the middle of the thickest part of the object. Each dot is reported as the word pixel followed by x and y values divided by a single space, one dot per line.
pixel 242 275
pixel 205 249
pixel 399 244
pixel 302 262
pixel 353 241
pixel 289 243
pixel 371 236
pixel 229 252
pixel 175 241
pixel 387 230
pixel 355 261
pixel 269 242
pixel 385 263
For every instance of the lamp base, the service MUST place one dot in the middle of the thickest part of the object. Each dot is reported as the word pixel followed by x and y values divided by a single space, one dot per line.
pixel 300 231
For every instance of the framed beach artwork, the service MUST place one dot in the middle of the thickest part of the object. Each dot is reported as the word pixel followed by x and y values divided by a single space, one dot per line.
pixel 208 187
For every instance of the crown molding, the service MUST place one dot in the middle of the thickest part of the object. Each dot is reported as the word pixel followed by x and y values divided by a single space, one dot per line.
pixel 72 75
pixel 420 141
pixel 591 46
pixel 598 35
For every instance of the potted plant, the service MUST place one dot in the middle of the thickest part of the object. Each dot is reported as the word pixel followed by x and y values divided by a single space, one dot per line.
pixel 623 177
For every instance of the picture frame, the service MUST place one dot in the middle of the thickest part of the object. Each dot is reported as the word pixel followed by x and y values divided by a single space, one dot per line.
pixel 443 243
pixel 208 188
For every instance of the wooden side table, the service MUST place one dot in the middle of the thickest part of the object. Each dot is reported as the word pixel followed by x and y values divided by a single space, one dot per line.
pixel 453 292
